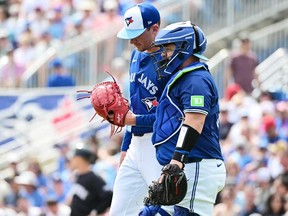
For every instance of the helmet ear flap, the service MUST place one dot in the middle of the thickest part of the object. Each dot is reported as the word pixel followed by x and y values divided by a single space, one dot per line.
pixel 197 41
pixel 182 47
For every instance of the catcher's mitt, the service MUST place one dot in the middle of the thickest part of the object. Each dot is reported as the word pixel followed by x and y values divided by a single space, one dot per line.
pixel 171 190
pixel 107 99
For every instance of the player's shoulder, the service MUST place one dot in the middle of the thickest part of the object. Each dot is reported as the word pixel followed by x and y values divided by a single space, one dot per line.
pixel 199 77
pixel 198 72
pixel 138 56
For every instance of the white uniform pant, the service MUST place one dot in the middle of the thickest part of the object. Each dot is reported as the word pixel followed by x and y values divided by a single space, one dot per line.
pixel 205 180
pixel 139 168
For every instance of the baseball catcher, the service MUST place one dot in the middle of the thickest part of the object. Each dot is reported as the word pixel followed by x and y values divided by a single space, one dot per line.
pixel 170 189
pixel 107 100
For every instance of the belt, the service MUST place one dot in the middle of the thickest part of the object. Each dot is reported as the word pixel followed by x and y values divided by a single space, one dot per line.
pixel 192 160
pixel 138 134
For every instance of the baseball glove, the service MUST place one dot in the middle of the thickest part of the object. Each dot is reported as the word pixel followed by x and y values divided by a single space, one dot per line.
pixel 172 188
pixel 107 100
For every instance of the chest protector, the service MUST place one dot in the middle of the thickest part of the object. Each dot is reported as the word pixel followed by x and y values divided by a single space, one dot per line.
pixel 169 116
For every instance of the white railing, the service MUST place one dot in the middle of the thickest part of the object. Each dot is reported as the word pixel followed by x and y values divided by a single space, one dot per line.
pixel 246 14
pixel 267 40
pixel 273 73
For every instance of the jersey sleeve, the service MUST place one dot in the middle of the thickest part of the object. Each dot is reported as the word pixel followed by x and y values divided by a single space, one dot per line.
pixel 196 93
pixel 126 141
pixel 146 120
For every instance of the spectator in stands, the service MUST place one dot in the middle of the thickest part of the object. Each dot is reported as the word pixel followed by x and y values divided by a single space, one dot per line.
pixel 11 72
pixel 44 42
pixel 233 171
pixel 13 21
pixel 275 153
pixel 270 135
pixel 68 6
pixel 57 188
pixel 110 15
pixel 280 184
pixel 88 193
pixel 13 160
pixel 88 10
pixel 63 148
pixel 231 90
pixel 107 162
pixel 274 205
pixel 10 200
pixel 38 23
pixel 4 42
pixel 249 206
pixel 28 6
pixel 4 210
pixel 57 27
pixel 55 208
pixel 241 154
pixel 75 28
pixel 60 77
pixel 28 183
pixel 3 16
pixel 5 191
pixel 35 167
pixel 225 124
pixel 228 205
pixel 24 54
pixel 284 161
pixel 241 129
pixel 24 207
pixel 282 119
pixel 262 190
pixel 241 68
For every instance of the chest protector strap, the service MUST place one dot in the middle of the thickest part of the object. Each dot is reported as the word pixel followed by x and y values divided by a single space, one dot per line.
pixel 170 117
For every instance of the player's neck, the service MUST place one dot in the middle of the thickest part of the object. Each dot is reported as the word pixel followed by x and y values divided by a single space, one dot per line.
pixel 189 61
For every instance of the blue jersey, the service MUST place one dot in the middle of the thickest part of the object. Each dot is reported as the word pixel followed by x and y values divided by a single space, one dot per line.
pixel 189 90
pixel 57 80
pixel 145 92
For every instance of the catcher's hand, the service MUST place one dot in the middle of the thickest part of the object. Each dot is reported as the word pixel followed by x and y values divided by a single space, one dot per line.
pixel 107 100
pixel 170 189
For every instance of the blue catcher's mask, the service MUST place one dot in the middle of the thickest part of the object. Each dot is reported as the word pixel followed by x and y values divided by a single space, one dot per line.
pixel 188 39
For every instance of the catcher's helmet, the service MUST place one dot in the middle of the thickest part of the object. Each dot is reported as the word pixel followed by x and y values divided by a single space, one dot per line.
pixel 189 40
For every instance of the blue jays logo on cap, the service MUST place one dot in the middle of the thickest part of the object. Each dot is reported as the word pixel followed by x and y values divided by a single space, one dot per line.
pixel 150 102
pixel 129 20
pixel 137 19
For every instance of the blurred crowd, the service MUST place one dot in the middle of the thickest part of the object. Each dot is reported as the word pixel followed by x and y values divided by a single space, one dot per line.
pixel 29 27
pixel 29 191
pixel 254 140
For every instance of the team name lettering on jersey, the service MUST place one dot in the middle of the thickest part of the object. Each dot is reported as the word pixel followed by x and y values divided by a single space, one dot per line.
pixel 80 191
pixel 132 77
pixel 148 84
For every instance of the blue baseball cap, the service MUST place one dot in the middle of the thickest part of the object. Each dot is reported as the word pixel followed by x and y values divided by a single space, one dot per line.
pixel 137 19
pixel 57 63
